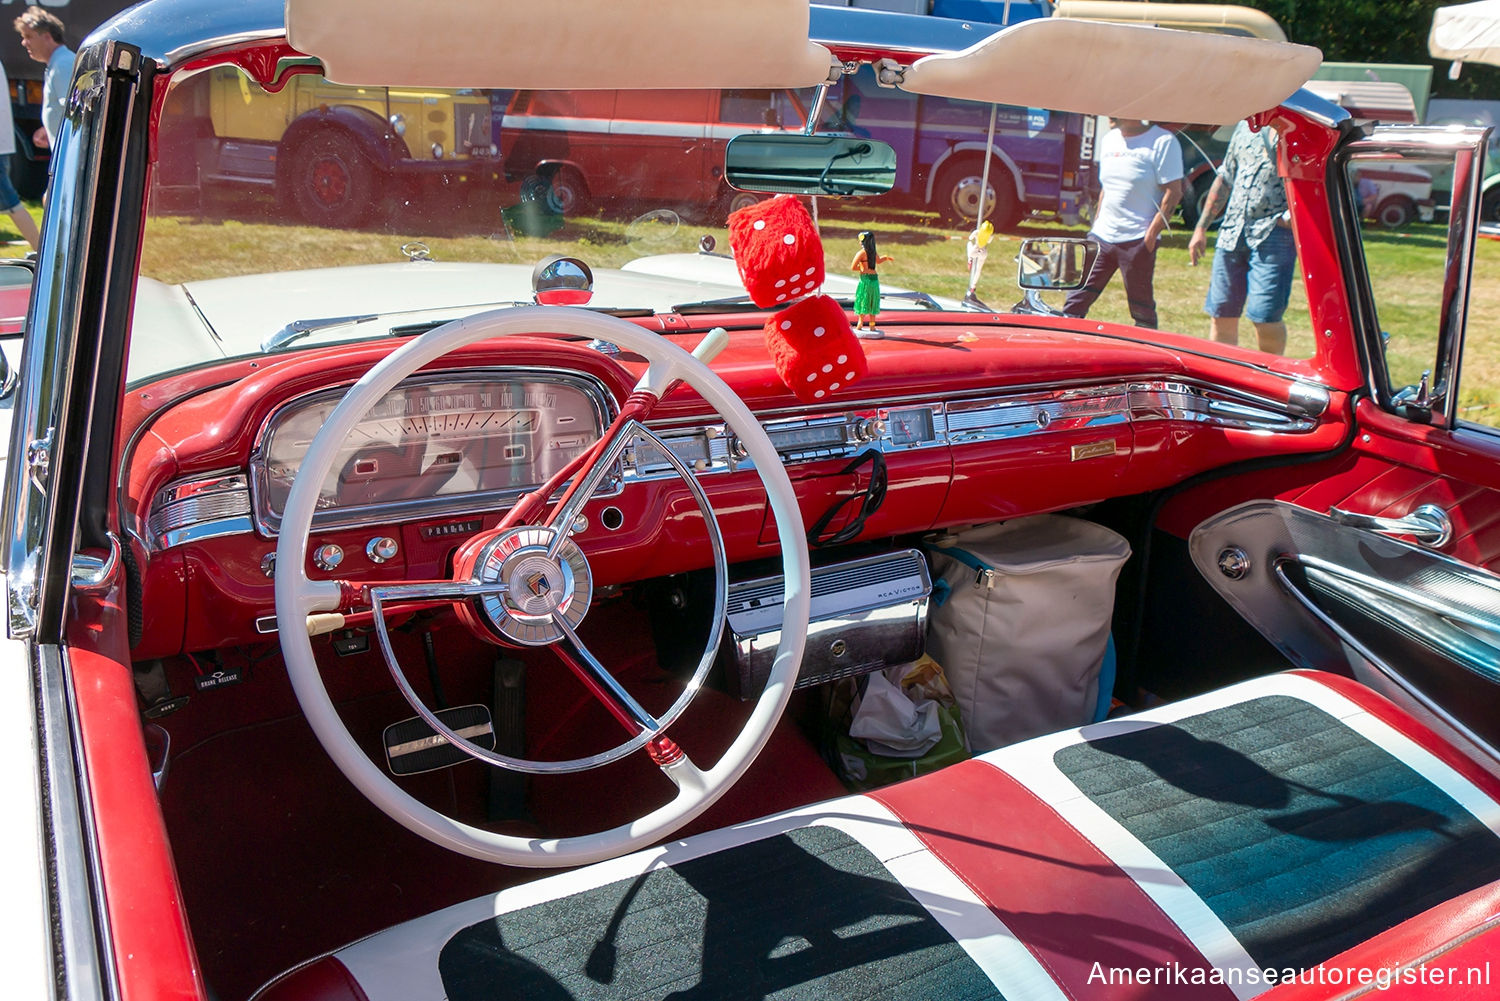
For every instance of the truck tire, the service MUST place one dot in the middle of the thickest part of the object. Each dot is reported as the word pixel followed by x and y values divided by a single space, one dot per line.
pixel 332 183
pixel 1489 205
pixel 1395 212
pixel 570 195
pixel 956 194
pixel 730 201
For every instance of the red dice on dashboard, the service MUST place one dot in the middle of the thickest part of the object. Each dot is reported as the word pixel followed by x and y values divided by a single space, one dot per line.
pixel 777 249
pixel 814 349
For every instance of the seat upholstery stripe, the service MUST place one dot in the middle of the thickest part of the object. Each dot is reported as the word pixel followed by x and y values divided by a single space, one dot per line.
pixel 1074 908
pixel 1411 728
pixel 1036 771
pixel 1303 836
pixel 1032 765
pixel 401 964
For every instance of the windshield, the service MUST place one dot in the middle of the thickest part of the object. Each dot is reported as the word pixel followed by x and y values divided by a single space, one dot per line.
pixel 384 211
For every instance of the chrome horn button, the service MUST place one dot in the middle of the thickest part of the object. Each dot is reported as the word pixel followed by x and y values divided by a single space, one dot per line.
pixel 536 586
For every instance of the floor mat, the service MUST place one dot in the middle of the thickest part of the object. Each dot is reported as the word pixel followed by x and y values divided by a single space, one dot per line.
pixel 808 914
pixel 280 858
pixel 1304 837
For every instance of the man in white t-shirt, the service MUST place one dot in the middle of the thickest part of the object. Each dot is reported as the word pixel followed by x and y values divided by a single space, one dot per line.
pixel 1140 181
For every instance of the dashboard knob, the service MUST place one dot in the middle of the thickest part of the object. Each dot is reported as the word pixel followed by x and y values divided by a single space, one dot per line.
pixel 328 557
pixel 381 548
pixel 864 430
pixel 268 564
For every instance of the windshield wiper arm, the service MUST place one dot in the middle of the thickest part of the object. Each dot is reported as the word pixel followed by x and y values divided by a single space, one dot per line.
pixel 298 329
pixel 920 298
pixel 731 304
pixel 738 303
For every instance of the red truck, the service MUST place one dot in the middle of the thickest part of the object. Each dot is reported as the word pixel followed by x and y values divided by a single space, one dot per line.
pixel 591 145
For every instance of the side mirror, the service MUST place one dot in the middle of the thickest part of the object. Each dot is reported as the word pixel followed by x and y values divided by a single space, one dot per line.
pixel 562 281
pixel 790 163
pixel 1056 263
pixel 16 278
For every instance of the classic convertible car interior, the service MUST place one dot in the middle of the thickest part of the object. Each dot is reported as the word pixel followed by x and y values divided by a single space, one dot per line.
pixel 445 585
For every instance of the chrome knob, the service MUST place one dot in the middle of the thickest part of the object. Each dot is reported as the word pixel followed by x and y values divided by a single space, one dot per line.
pixel 268 564
pixel 328 557
pixel 1234 563
pixel 381 548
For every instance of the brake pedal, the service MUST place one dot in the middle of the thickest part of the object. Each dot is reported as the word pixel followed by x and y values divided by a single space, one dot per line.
pixel 412 747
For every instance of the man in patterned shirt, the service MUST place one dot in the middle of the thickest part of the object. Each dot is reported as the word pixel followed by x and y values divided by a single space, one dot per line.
pixel 1256 255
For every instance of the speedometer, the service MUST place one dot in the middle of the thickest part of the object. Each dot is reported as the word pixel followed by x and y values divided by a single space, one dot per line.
pixel 433 444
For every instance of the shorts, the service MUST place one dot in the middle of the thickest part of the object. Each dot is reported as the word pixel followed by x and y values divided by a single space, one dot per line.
pixel 1253 281
pixel 8 197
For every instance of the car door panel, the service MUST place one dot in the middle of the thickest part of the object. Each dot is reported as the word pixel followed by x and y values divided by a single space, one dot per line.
pixel 1401 617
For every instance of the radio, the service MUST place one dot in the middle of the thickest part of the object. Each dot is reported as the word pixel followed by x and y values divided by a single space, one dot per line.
pixel 867 614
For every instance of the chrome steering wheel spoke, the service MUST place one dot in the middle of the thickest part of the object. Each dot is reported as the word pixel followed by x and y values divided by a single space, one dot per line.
pixel 620 703
pixel 583 488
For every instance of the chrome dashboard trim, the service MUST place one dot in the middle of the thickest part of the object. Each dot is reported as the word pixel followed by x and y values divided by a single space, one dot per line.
pixel 197 508
pixel 268 523
pixel 1018 414
pixel 230 502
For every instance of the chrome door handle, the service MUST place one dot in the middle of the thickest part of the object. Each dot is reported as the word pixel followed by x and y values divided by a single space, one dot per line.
pixel 92 574
pixel 1428 524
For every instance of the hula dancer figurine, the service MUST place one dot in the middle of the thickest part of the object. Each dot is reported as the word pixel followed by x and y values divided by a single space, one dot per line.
pixel 867 293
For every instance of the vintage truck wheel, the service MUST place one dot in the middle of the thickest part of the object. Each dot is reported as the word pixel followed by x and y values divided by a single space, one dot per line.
pixel 570 195
pixel 331 182
pixel 956 194
pixel 1396 212
pixel 1489 205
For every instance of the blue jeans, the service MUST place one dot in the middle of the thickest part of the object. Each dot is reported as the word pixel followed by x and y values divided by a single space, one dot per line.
pixel 1253 281
pixel 8 197
pixel 1136 262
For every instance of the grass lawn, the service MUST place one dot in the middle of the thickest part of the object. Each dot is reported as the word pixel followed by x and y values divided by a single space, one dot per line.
pixel 1406 268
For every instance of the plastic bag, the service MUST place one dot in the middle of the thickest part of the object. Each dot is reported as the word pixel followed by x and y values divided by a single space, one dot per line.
pixel 890 723
pixel 929 702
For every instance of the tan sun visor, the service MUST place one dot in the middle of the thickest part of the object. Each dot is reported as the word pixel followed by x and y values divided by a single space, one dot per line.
pixel 1120 70
pixel 572 45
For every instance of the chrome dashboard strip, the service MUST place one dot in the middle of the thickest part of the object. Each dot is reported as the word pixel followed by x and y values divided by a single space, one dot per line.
pixel 1020 414
pixel 225 503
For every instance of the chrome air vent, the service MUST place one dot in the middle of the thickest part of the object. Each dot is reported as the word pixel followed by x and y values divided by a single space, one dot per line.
pixel 188 510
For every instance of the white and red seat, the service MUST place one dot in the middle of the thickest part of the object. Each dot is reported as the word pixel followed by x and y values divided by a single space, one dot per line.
pixel 1297 823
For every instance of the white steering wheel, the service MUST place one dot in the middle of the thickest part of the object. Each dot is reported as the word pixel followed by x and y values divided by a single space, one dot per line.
pixel 483 589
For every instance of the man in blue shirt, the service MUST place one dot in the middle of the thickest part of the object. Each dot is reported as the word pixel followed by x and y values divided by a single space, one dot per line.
pixel 42 37
pixel 1255 255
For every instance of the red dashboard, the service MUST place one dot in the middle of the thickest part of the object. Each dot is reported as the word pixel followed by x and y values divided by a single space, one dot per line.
pixel 976 421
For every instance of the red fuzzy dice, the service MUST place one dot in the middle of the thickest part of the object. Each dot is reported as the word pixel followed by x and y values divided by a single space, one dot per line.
pixel 814 349
pixel 778 250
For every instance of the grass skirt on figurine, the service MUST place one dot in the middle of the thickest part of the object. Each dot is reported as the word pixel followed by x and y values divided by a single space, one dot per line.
pixel 867 296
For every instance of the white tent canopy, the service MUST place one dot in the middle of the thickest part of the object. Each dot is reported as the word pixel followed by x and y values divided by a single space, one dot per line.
pixel 1467 33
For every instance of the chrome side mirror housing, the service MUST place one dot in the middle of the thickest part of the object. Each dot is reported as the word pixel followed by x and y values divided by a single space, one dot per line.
pixel 1059 263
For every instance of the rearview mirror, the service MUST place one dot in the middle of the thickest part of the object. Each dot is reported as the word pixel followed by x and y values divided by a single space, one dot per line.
pixel 1060 263
pixel 789 163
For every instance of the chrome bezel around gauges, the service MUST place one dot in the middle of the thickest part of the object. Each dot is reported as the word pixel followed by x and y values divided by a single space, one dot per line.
pixel 267 520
